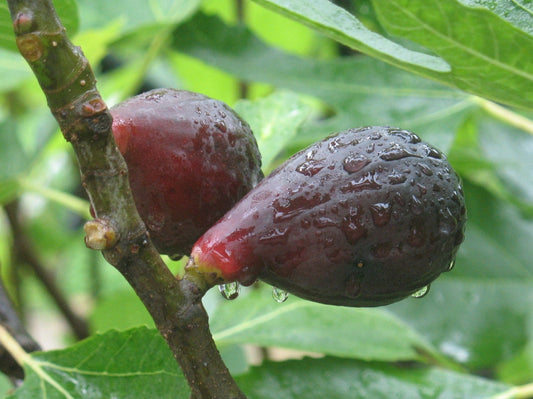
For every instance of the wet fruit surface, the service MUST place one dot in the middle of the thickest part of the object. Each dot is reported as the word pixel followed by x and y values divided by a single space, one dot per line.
pixel 363 218
pixel 190 159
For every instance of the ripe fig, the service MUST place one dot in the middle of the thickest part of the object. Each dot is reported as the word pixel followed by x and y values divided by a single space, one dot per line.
pixel 365 217
pixel 190 159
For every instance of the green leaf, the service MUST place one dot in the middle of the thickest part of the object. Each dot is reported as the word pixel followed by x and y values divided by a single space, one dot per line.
pixel 335 378
pixel 498 240
pixel 130 364
pixel 481 313
pixel 516 12
pixel 369 334
pixel 359 90
pixel 136 13
pixel 493 63
pixel 275 121
pixel 13 69
pixel 342 26
pixel 9 189
pixel 13 158
pixel 469 319
pixel 497 68
pixel 499 160
pixel 67 10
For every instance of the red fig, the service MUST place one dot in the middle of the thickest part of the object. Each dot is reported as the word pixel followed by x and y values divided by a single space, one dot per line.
pixel 190 159
pixel 365 217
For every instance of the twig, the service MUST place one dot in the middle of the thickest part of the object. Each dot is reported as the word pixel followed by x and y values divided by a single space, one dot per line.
pixel 70 88
pixel 25 253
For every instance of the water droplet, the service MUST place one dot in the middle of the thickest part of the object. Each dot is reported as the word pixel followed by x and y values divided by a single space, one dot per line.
pixel 352 227
pixel 310 167
pixel 279 295
pixel 352 286
pixel 451 265
pixel 416 205
pixel 395 152
pixel 397 178
pixel 425 169
pixel 416 237
pixel 275 236
pixel 322 222
pixel 380 213
pixel 447 222
pixel 367 182
pixel 220 125
pixel 382 250
pixel 433 152
pixel 370 148
pixel 230 291
pixel 422 292
pixel 407 136
pixel 354 163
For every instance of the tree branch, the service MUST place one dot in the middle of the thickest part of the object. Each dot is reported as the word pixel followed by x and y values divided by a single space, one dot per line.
pixel 70 88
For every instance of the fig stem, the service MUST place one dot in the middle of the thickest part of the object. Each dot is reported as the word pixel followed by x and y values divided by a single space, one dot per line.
pixel 69 85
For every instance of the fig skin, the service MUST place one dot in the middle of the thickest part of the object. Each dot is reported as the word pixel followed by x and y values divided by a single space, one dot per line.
pixel 365 217
pixel 190 159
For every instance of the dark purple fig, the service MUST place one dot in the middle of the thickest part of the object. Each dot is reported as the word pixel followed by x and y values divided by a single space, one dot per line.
pixel 365 217
pixel 190 159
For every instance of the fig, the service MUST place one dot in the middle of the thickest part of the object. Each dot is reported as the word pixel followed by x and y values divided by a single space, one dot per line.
pixel 190 159
pixel 364 217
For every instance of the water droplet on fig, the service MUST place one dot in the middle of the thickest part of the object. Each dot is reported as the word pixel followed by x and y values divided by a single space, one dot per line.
pixel 447 222
pixel 425 169
pixel 230 291
pixel 381 213
pixel 354 163
pixel 422 292
pixel 407 136
pixel 310 167
pixel 220 125
pixel 352 286
pixel 397 178
pixel 395 152
pixel 279 295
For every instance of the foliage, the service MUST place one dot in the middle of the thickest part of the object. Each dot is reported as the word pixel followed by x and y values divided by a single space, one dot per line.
pixel 427 66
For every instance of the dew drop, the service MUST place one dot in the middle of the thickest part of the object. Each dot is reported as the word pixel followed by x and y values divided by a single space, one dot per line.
pixel 220 125
pixel 425 169
pixel 451 265
pixel 422 292
pixel 279 295
pixel 395 152
pixel 397 178
pixel 352 286
pixel 381 213
pixel 354 163
pixel 310 167
pixel 230 291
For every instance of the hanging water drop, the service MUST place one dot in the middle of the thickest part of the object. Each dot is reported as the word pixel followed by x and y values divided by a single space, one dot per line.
pixel 422 292
pixel 279 295
pixel 230 291
pixel 451 265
